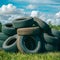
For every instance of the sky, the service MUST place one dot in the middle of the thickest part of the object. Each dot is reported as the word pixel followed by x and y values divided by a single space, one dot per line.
pixel 47 10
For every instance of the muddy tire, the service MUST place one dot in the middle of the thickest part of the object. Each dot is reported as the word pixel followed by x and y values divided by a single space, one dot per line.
pixel 29 31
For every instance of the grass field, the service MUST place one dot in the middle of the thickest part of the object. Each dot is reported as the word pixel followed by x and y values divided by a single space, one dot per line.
pixel 19 56
pixel 41 56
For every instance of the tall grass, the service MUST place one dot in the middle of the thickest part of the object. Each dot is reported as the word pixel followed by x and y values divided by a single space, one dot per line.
pixel 19 56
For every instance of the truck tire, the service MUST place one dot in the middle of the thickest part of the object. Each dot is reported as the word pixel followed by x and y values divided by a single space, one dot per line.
pixel 29 44
pixel 8 29
pixel 56 33
pixel 23 22
pixel 10 44
pixel 1 43
pixel 50 47
pixel 3 36
pixel 44 26
pixel 29 31
pixel 51 39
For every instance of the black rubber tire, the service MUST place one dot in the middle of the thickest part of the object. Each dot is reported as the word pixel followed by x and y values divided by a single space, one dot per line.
pixel 56 33
pixel 23 22
pixel 50 47
pixel 44 26
pixel 29 31
pixel 51 39
pixel 8 29
pixel 1 43
pixel 0 26
pixel 3 36
pixel 10 44
pixel 23 40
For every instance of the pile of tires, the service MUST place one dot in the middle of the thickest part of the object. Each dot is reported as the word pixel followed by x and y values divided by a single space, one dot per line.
pixel 51 37
pixel 29 35
pixel 7 31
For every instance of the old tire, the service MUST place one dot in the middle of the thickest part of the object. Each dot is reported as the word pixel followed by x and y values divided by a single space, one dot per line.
pixel 56 33
pixel 1 43
pixel 10 44
pixel 3 36
pixel 0 26
pixel 50 47
pixel 44 26
pixel 29 44
pixel 51 39
pixel 29 31
pixel 23 22
pixel 8 29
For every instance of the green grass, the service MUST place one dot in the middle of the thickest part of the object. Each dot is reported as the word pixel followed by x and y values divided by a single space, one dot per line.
pixel 55 27
pixel 41 56
pixel 19 56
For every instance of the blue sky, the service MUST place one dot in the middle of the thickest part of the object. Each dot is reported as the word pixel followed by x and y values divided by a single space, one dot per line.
pixel 46 6
pixel 48 10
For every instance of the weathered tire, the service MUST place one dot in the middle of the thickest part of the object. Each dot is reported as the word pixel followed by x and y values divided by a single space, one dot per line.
pixel 44 26
pixel 10 44
pixel 29 31
pixel 1 43
pixel 56 33
pixel 8 29
pixel 51 39
pixel 3 36
pixel 23 22
pixel 50 47
pixel 0 26
pixel 25 45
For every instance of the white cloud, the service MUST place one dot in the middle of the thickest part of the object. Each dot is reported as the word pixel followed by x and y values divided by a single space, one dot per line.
pixel 51 21
pixel 42 17
pixel 55 20
pixel 7 11
pixel 57 15
pixel 31 6
pixel 10 9
pixel 34 14
pixel 10 12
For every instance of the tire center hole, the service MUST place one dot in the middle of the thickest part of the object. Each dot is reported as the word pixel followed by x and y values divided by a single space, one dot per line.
pixel 21 19
pixel 30 43
pixel 11 41
pixel 9 25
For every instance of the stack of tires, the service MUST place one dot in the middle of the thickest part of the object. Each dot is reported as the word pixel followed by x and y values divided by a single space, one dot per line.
pixel 7 31
pixel 28 40
pixel 51 37
pixel 29 35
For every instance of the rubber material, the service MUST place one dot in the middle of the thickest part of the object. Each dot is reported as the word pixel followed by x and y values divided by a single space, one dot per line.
pixel 29 44
pixel 0 26
pixel 23 22
pixel 1 43
pixel 50 47
pixel 29 31
pixel 3 36
pixel 44 26
pixel 51 39
pixel 56 33
pixel 10 44
pixel 8 29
